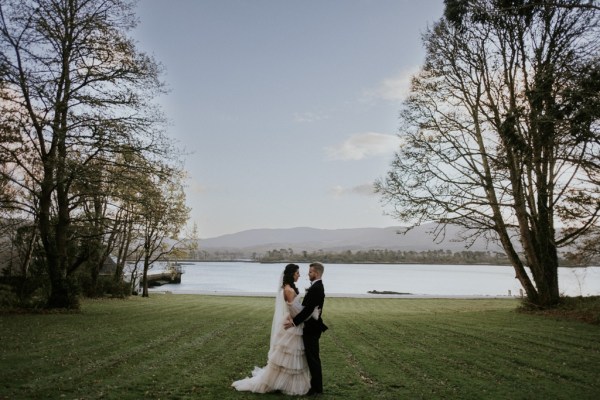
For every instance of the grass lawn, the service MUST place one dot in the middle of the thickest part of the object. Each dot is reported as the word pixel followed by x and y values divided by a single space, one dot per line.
pixel 193 347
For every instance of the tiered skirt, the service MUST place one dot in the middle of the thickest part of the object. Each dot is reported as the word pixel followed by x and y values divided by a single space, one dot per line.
pixel 286 368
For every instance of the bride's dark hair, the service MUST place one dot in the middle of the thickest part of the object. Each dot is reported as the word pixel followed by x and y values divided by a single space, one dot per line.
pixel 288 276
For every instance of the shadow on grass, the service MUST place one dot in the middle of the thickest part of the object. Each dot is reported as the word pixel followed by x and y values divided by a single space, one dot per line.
pixel 583 309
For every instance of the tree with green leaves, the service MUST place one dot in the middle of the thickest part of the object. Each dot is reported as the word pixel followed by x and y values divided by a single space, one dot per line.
pixel 161 214
pixel 500 133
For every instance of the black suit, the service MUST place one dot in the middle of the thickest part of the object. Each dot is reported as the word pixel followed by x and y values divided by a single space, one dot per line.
pixel 315 297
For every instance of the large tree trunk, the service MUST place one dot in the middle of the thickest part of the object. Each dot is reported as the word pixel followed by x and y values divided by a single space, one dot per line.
pixel 544 269
pixel 59 289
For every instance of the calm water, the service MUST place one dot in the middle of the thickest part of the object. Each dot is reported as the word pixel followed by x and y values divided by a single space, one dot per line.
pixel 358 279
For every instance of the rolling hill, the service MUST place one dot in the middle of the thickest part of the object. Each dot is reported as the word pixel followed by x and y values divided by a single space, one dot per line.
pixel 311 239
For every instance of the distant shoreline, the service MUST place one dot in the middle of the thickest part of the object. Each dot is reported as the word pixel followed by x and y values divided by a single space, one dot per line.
pixel 359 263
pixel 339 295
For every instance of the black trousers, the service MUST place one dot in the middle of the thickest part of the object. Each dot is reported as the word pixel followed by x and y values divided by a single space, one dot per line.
pixel 311 349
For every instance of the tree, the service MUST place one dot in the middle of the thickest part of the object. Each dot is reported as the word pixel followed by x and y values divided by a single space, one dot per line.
pixel 500 132
pixel 162 214
pixel 79 93
pixel 98 218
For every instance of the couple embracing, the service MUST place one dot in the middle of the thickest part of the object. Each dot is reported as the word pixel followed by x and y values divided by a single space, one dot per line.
pixel 294 364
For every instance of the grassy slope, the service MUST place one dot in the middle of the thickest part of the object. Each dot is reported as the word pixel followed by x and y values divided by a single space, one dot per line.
pixel 193 347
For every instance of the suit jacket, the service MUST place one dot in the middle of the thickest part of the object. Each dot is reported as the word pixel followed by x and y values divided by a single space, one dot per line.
pixel 315 297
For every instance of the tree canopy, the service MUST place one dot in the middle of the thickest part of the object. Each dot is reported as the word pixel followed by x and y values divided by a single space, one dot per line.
pixel 77 102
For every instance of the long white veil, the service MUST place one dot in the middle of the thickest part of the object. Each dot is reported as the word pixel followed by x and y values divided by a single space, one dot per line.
pixel 280 314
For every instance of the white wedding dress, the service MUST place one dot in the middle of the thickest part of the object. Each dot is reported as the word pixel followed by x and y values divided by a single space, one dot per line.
pixel 286 369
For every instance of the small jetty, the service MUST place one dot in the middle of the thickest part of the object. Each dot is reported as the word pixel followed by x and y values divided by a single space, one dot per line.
pixel 171 274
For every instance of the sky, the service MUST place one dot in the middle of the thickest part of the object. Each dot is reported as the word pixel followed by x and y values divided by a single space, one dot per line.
pixel 286 111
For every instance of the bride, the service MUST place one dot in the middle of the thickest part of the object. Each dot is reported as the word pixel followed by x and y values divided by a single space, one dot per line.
pixel 286 369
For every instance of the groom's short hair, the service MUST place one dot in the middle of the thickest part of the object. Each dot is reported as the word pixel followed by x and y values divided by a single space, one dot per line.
pixel 318 266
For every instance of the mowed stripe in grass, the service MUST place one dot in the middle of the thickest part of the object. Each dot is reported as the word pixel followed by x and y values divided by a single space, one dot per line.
pixel 152 348
pixel 193 347
pixel 477 353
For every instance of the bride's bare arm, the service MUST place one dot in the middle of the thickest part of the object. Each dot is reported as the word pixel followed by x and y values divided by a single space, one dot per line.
pixel 288 293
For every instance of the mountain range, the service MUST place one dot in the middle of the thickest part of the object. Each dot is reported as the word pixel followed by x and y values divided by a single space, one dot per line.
pixel 313 239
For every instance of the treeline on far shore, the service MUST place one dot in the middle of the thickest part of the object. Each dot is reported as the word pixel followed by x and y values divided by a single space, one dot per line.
pixel 381 256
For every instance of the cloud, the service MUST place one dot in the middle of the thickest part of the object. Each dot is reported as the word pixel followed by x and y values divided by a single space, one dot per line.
pixel 196 187
pixel 395 88
pixel 365 189
pixel 308 117
pixel 364 145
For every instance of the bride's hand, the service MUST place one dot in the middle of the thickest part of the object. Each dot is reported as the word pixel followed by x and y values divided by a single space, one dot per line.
pixel 288 323
pixel 316 313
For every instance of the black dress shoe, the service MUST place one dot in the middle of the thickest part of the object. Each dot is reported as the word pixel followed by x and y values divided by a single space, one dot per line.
pixel 313 393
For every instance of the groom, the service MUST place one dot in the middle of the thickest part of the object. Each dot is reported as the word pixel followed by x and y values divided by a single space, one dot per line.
pixel 315 297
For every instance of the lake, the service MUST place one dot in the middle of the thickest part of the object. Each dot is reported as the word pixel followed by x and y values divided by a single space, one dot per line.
pixel 423 280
